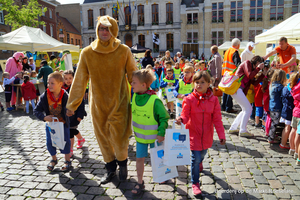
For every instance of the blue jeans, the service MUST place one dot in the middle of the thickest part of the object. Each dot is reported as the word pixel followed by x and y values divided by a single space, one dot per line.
pixel 197 158
pixel 253 111
pixel 227 102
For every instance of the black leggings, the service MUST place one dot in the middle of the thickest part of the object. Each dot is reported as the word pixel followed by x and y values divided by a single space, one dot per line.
pixel 73 132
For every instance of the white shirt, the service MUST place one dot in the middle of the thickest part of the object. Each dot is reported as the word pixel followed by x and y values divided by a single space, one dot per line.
pixel 246 55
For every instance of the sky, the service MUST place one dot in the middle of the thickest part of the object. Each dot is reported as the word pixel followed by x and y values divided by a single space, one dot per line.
pixel 70 1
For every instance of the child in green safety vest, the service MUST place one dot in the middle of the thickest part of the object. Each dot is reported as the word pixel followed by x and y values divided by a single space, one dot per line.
pixel 184 87
pixel 177 71
pixel 149 120
pixel 167 65
pixel 167 82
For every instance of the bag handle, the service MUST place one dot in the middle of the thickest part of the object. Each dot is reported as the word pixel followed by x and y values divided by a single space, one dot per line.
pixel 173 127
pixel 156 142
pixel 53 120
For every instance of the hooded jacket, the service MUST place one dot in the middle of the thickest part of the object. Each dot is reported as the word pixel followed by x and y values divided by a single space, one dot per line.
pixel 275 97
pixel 296 95
pixel 287 103
pixel 28 91
pixel 13 66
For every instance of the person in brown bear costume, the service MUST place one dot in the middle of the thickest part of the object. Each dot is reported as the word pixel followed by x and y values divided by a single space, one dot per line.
pixel 105 63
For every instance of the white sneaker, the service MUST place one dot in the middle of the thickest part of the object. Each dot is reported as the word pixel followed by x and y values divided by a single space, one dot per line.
pixel 292 151
pixel 246 134
pixel 295 156
pixel 233 131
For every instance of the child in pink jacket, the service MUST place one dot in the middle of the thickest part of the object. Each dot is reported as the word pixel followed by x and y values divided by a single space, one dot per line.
pixel 201 112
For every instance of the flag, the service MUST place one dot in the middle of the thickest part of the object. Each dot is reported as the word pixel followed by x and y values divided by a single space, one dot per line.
pixel 114 9
pixel 135 5
pixel 118 5
pixel 155 39
pixel 129 7
pixel 124 6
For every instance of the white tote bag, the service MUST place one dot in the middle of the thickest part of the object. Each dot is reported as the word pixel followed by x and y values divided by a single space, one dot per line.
pixel 56 130
pixel 169 93
pixel 178 107
pixel 160 171
pixel 177 146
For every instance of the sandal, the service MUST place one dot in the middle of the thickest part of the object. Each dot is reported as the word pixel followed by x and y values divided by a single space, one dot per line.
pixel 50 167
pixel 138 190
pixel 67 166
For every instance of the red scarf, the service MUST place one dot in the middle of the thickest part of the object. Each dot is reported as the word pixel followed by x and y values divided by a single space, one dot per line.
pixel 53 98
pixel 65 87
pixel 200 96
pixel 169 78
pixel 150 92
pixel 187 81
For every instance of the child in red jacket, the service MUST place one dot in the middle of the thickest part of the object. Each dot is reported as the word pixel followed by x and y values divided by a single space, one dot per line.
pixel 201 112
pixel 28 93
pixel 258 101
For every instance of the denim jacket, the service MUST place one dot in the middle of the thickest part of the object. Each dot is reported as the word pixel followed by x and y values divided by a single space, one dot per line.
pixel 288 103
pixel 275 97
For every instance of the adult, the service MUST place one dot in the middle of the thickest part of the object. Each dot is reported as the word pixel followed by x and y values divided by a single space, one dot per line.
pixel 215 65
pixel 52 62
pixel 108 65
pixel 247 53
pixel 231 61
pixel 248 69
pixel 44 72
pixel 13 66
pixel 167 57
pixel 147 60
pixel 286 53
pixel 26 66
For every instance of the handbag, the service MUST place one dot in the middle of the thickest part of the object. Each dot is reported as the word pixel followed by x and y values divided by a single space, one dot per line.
pixel 177 146
pixel 170 94
pixel 230 83
pixel 56 131
pixel 160 171
pixel 217 92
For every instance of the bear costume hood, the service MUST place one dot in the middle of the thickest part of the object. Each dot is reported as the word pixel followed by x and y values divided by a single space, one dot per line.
pixel 110 46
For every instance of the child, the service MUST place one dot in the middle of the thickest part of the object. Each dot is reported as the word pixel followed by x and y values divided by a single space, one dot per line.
pixel 250 96
pixel 275 105
pixel 77 117
pixel 286 114
pixel 8 89
pixel 184 87
pixel 157 68
pixel 177 71
pixel 266 99
pixel 31 63
pixel 53 103
pixel 145 101
pixel 167 82
pixel 258 103
pixel 18 79
pixel 201 112
pixel 182 63
pixel 28 93
pixel 202 65
pixel 197 67
pixel 168 65
pixel 33 76
pixel 155 85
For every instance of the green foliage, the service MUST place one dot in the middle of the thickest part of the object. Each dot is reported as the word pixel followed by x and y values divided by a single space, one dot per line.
pixel 26 15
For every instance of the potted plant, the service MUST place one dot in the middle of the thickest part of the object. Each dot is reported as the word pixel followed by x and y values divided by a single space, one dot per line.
pixel 154 23
pixel 195 22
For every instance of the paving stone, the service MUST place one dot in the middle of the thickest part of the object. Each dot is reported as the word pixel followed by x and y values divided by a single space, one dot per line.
pixel 279 172
pixel 270 175
pixel 239 197
pixel 248 183
pixel 159 195
pixel 207 180
pixel 33 193
pixel 15 198
pixel 49 194
pixel 293 190
pixel 66 195
pixel 294 176
pixel 217 168
pixel 245 175
pixel 241 168
pixel 260 179
pixel 17 191
pixel 95 191
pixel 285 180
pixel 45 186
pixel 222 194
pixel 275 184
pixel 255 172
pixel 85 197
pixel 230 172
pixel 269 197
pixel 210 189
pixel 14 183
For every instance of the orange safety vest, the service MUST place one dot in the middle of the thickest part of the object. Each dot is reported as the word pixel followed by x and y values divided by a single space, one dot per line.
pixel 228 64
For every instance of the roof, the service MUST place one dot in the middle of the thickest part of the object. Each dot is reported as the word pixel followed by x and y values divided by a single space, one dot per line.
pixel 68 25
pixel 191 3
pixel 93 1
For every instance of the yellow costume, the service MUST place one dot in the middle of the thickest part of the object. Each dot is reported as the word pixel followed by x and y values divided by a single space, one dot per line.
pixel 106 64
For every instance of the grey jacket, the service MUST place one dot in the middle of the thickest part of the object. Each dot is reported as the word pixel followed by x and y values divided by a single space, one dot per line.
pixel 215 66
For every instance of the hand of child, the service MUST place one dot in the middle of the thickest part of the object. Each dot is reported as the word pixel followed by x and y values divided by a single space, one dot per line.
pixel 178 121
pixel 170 83
pixel 48 118
pixel 70 113
pixel 160 139
pixel 222 141
pixel 79 119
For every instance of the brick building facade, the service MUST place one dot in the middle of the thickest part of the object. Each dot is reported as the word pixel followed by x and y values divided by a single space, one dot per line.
pixel 49 18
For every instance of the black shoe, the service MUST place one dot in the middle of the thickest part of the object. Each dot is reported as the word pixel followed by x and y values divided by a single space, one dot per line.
pixel 107 177
pixel 172 116
pixel 2 109
pixel 232 111
pixel 123 173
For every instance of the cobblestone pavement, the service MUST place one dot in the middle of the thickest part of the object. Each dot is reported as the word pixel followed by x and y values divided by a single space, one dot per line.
pixel 241 169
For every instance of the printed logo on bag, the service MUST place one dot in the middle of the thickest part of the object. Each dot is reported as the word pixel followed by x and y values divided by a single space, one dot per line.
pixel 179 155
pixel 179 137
pixel 160 153
pixel 170 90
pixel 168 171
pixel 52 131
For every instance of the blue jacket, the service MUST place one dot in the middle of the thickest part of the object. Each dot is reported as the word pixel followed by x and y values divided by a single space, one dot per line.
pixel 155 84
pixel 42 108
pixel 275 97
pixel 287 103
pixel 165 84
pixel 175 91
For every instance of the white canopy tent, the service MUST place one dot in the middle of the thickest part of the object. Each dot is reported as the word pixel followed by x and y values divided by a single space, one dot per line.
pixel 289 28
pixel 33 39
pixel 228 44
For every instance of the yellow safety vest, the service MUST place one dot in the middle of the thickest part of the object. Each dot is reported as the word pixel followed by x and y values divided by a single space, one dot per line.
pixel 185 88
pixel 177 73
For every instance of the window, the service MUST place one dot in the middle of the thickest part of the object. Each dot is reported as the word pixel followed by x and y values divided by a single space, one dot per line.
pixel 217 38
pixel 61 31
pixel 192 37
pixel 253 33
pixel 75 41
pixel 44 28
pixel 169 13
pixel 155 14
pixel 217 12
pixel 236 11
pixel 68 38
pixel 295 7
pixel 127 16
pixel 90 19
pixel 142 40
pixel 1 17
pixel 170 42
pixel 50 13
pixel 61 39
pixel 72 41
pixel 156 46
pixel 141 20
pixel 256 10
pixel 90 40
pixel 276 10
pixel 102 11
pixel 236 34
pixel 51 30
pixel 79 43
pixel 192 18
pixel 43 13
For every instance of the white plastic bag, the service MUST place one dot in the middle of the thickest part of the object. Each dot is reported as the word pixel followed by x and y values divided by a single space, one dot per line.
pixel 56 130
pixel 160 171
pixel 169 94
pixel 160 95
pixel 177 146
pixel 178 107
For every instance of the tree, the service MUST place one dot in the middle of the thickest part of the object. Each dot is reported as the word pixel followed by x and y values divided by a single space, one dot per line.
pixel 26 15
